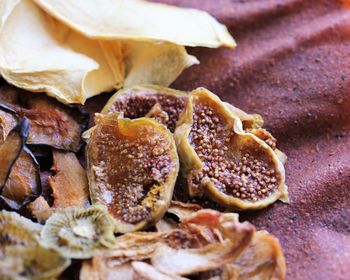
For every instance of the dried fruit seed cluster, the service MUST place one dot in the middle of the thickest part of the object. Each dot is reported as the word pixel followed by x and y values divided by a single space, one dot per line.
pixel 144 164
pixel 137 105
pixel 245 178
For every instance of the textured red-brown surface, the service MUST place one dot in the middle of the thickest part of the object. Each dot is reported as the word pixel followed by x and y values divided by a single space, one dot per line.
pixel 292 66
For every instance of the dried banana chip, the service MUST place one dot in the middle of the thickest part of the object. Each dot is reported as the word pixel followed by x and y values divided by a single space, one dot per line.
pixel 78 233
pixel 222 160
pixel 139 20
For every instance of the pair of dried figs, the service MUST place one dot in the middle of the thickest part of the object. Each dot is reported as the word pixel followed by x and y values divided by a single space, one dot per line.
pixel 224 154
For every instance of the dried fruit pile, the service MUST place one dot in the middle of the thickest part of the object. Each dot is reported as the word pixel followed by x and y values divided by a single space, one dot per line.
pixel 130 214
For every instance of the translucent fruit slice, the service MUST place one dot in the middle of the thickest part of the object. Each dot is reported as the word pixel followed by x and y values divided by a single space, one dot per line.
pixel 219 158
pixel 78 233
pixel 132 169
pixel 160 103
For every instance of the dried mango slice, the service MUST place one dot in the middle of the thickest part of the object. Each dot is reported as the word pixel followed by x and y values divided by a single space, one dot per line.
pixel 139 20
pixel 132 169
pixel 220 159
pixel 77 232
pixel 160 103
pixel 32 262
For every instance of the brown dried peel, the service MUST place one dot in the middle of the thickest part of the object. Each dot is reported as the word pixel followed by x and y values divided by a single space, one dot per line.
pixel 161 103
pixel 132 169
pixel 220 159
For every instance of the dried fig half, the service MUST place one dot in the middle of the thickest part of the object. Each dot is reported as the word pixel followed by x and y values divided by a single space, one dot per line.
pixel 160 103
pixel 23 184
pixel 231 166
pixel 78 233
pixel 132 169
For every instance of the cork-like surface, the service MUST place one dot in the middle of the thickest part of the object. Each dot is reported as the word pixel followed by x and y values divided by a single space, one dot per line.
pixel 292 66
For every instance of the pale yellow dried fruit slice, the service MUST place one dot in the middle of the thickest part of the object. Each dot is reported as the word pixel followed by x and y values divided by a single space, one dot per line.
pixel 222 160
pixel 139 20
pixel 145 271
pixel 132 169
pixel 31 57
pixel 6 7
pixel 79 233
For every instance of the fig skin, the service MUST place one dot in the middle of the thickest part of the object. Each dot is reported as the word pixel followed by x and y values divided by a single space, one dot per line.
pixel 191 163
pixel 141 101
pixel 148 199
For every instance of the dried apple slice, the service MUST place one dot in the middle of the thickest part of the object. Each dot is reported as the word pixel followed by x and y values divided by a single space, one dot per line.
pixel 220 159
pixel 77 232
pixel 23 184
pixel 132 169
pixel 163 104
pixel 11 149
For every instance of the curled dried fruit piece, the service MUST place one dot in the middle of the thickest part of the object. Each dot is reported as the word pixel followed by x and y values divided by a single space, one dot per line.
pixel 16 230
pixel 52 123
pixel 78 233
pixel 160 103
pixel 132 169
pixel 11 149
pixel 32 262
pixel 8 121
pixel 23 184
pixel 206 240
pixel 220 159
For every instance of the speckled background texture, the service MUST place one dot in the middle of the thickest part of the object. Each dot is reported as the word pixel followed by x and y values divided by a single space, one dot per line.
pixel 292 66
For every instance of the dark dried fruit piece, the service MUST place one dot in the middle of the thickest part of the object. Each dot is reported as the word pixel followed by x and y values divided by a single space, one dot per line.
pixel 11 149
pixel 69 184
pixel 23 184
pixel 79 233
pixel 8 121
pixel 222 160
pixel 52 123
pixel 132 169
pixel 163 104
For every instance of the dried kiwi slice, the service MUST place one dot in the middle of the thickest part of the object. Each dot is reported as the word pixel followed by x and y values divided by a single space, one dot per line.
pixel 220 159
pixel 78 232
pixel 163 104
pixel 16 230
pixel 132 169
pixel 32 262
